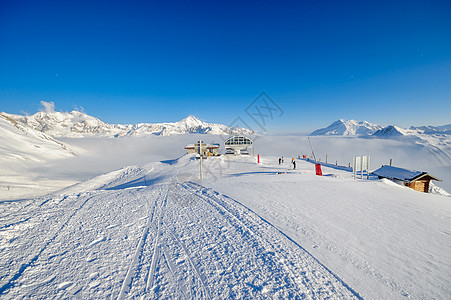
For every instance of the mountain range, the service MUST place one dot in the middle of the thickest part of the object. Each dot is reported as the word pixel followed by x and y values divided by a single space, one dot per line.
pixel 364 128
pixel 445 129
pixel 79 124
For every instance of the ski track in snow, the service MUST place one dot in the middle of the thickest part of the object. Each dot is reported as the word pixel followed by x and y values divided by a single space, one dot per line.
pixel 15 274
pixel 254 224
pixel 169 240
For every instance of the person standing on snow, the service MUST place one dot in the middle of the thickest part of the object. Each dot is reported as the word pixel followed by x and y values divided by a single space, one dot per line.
pixel 280 160
pixel 294 164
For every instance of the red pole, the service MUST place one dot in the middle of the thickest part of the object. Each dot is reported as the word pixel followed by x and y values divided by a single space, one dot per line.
pixel 258 158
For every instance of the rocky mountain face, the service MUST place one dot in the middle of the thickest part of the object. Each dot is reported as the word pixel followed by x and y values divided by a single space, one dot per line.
pixel 390 131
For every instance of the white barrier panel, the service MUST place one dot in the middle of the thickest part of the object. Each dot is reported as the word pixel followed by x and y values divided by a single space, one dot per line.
pixel 361 163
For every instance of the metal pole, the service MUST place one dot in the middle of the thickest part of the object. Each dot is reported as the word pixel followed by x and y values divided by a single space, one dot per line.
pixel 311 148
pixel 361 167
pixel 201 167
pixel 200 153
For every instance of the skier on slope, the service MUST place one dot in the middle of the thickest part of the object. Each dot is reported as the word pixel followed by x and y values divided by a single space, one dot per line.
pixel 294 164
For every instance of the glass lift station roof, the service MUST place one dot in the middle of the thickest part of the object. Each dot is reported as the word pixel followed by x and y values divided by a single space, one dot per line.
pixel 238 143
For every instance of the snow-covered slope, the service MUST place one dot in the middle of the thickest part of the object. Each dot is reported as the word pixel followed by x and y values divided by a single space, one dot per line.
pixel 349 127
pixel 23 153
pixel 24 143
pixel 248 231
pixel 79 124
pixel 382 239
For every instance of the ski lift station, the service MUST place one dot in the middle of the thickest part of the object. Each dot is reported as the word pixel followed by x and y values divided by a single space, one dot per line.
pixel 238 145
pixel 207 149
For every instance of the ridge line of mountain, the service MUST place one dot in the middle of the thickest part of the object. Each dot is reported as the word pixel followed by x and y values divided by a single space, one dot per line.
pixel 364 128
pixel 79 124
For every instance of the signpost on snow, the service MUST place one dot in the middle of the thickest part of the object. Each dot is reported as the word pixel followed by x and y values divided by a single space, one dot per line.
pixel 200 158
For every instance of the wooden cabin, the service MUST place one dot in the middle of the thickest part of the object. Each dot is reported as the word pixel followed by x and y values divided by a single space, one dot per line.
pixel 417 180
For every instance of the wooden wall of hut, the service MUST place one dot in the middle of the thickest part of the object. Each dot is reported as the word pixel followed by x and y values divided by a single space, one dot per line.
pixel 419 185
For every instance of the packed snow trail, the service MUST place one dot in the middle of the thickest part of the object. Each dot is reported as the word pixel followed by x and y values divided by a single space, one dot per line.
pixel 167 240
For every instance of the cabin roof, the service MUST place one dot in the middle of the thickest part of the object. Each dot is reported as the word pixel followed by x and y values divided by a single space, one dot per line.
pixel 402 174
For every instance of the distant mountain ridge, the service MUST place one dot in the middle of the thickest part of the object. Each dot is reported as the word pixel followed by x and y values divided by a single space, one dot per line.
pixel 349 127
pixel 393 130
pixel 445 129
pixel 79 124
pixel 352 127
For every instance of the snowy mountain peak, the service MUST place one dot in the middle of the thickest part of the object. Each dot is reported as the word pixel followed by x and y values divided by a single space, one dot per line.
pixel 79 124
pixel 191 121
pixel 390 130
pixel 349 127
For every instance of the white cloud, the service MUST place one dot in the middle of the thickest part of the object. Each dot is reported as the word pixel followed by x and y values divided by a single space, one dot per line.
pixel 48 106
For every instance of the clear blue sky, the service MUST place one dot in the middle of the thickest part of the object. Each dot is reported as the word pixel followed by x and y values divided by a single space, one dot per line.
pixel 386 62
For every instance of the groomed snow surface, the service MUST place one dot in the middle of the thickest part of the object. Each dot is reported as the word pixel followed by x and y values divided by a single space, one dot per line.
pixel 247 230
